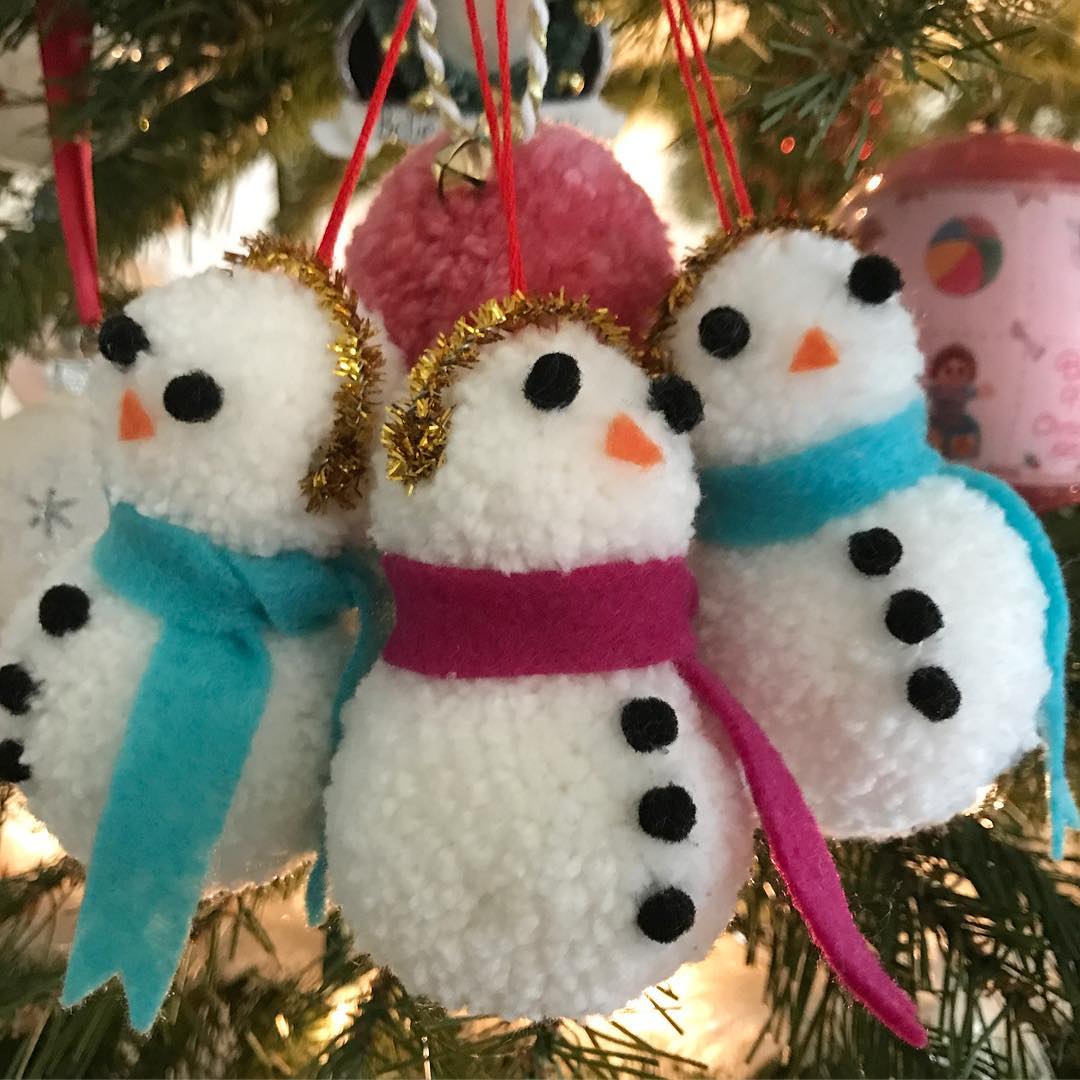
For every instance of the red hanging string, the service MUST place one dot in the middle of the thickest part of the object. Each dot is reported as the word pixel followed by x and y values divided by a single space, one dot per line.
pixel 502 142
pixel 64 33
pixel 742 198
pixel 325 253
pixel 517 266
pixel 482 78
pixel 707 155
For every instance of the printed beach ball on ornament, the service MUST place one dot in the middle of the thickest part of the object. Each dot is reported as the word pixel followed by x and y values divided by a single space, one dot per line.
pixel 986 230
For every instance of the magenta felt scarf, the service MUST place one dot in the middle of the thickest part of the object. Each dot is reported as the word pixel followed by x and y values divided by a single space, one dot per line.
pixel 481 624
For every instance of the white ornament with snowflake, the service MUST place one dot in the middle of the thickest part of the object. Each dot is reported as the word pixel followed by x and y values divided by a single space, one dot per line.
pixel 51 496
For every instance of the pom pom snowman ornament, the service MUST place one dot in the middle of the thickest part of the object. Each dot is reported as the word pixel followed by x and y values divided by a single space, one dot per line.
pixel 896 624
pixel 529 814
pixel 167 693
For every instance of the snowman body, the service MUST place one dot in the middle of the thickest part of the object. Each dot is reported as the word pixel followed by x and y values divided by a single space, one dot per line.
pixel 208 399
pixel 802 636
pixel 85 680
pixel 547 841
pixel 880 615
pixel 496 858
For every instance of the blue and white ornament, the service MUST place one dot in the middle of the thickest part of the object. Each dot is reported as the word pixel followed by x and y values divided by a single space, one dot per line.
pixel 167 694
pixel 896 624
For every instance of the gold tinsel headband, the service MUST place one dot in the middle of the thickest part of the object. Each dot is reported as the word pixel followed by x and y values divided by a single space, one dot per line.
pixel 340 461
pixel 416 430
pixel 702 259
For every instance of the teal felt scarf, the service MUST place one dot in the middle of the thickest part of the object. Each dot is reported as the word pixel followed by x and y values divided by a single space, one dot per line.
pixel 792 497
pixel 188 735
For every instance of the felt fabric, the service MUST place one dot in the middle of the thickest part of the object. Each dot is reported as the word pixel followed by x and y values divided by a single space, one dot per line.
pixel 187 738
pixel 802 858
pixel 792 497
pixel 479 623
pixel 1019 516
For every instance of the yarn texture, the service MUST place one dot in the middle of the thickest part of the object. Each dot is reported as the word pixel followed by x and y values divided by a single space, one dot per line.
pixel 896 634
pixel 420 261
pixel 605 823
pixel 217 599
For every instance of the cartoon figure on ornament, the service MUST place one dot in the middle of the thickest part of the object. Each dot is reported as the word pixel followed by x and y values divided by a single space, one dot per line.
pixel 951 385
pixel 897 625
pixel 167 693
pixel 538 807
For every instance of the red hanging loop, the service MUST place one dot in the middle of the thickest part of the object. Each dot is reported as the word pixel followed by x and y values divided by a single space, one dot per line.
pixel 517 266
pixel 707 155
pixel 742 198
pixel 325 253
pixel 502 141
pixel 479 56
pixel 65 32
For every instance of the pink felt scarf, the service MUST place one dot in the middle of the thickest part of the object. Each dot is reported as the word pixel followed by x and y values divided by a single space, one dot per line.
pixel 476 624
pixel 481 624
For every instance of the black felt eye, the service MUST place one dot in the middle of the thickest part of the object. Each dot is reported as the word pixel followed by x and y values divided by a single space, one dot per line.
pixel 121 339
pixel 553 381
pixel 724 332
pixel 874 278
pixel 678 400
pixel 193 398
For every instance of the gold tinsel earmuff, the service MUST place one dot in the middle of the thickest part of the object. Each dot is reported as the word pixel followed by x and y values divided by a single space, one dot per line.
pixel 416 430
pixel 339 463
pixel 702 259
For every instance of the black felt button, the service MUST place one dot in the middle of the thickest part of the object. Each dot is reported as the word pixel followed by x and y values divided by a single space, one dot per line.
pixel 874 278
pixel 933 693
pixel 62 609
pixel 668 813
pixel 193 398
pixel 121 339
pixel 912 616
pixel 678 400
pixel 12 770
pixel 723 332
pixel 553 382
pixel 16 689
pixel 666 915
pixel 874 552
pixel 649 724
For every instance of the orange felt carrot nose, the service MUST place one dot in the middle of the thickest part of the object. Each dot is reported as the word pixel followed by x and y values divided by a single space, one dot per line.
pixel 135 422
pixel 627 442
pixel 815 352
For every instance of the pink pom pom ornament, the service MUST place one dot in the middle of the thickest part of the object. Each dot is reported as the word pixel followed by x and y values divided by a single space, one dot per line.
pixel 421 259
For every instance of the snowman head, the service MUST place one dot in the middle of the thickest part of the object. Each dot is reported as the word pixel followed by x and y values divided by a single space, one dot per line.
pixel 792 336
pixel 534 440
pixel 236 403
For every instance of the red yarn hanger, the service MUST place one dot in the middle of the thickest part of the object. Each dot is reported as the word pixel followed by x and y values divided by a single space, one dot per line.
pixel 707 155
pixel 502 141
pixel 742 198
pixel 325 253
pixel 64 33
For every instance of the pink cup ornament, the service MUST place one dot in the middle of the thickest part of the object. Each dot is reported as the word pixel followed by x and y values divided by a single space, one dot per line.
pixel 986 229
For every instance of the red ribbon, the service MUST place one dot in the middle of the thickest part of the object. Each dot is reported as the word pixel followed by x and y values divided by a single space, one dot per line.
pixel 65 32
